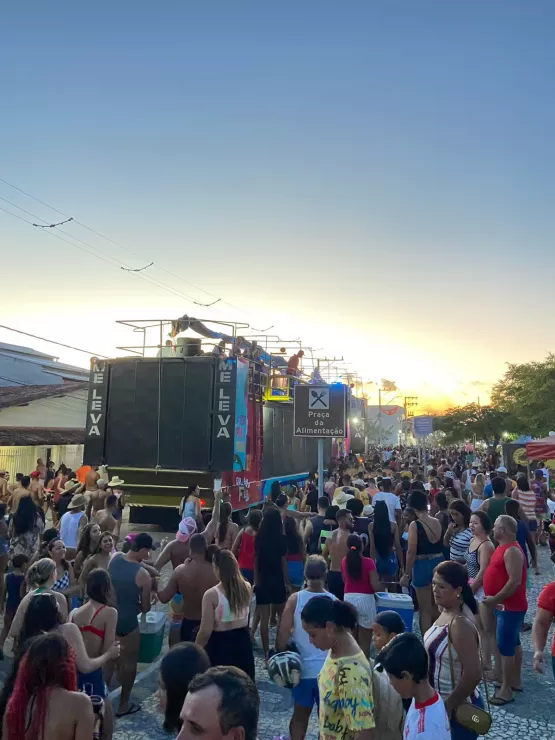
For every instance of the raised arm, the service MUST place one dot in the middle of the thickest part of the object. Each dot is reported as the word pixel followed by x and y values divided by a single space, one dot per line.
pixel 210 530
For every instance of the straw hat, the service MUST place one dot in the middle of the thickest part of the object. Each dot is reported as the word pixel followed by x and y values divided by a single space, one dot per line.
pixel 70 485
pixel 77 501
pixel 116 481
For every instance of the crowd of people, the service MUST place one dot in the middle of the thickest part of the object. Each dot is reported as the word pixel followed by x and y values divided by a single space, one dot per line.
pixel 457 533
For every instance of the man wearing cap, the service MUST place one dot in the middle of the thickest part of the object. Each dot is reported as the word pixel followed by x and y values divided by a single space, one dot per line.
pixel 177 551
pixel 190 580
pixel 132 588
pixel 509 484
pixel 72 523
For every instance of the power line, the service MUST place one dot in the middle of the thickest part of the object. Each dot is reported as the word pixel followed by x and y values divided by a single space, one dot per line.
pixel 101 255
pixel 51 341
pixel 127 249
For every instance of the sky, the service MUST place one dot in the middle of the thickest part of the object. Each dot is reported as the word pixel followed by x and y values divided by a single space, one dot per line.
pixel 376 178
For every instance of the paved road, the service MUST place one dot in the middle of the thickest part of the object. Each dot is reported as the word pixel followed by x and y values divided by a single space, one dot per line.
pixel 530 716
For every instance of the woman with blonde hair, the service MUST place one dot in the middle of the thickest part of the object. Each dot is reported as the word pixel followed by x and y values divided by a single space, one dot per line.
pixel 478 491
pixel 224 631
pixel 41 576
pixel 227 530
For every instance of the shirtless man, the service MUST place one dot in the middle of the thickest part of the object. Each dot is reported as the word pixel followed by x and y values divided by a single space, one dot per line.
pixel 177 551
pixel 105 517
pixel 335 550
pixel 98 499
pixel 36 489
pixel 21 492
pixel 41 470
pixel 191 580
pixel 3 486
pixel 91 483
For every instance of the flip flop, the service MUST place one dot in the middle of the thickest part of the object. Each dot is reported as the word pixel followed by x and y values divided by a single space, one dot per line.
pixel 498 701
pixel 133 709
pixel 518 691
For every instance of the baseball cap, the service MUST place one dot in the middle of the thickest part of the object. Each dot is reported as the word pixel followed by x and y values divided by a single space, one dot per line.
pixel 187 528
pixel 501 469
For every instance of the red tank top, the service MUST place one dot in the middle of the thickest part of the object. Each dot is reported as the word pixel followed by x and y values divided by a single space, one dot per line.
pixel 246 552
pixel 496 576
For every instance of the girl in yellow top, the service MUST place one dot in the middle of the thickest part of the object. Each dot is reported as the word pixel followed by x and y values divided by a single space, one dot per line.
pixel 345 681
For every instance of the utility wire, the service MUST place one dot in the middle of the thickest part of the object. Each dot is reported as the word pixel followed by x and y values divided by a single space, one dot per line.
pixel 121 246
pixel 101 255
pixel 51 341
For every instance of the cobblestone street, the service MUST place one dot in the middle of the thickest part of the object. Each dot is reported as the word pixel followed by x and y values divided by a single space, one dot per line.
pixel 530 715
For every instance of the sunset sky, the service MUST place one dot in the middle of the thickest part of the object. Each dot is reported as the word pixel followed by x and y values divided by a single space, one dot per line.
pixel 374 177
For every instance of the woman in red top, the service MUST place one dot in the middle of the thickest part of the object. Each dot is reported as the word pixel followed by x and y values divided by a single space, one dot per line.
pixel 361 583
pixel 505 590
pixel 243 547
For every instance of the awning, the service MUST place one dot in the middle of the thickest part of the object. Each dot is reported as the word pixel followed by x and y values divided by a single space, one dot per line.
pixel 541 449
pixel 25 436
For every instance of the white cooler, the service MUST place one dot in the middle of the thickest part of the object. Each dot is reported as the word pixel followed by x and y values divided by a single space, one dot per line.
pixel 400 603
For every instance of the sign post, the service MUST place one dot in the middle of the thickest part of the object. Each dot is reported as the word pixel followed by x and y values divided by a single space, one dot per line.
pixel 320 411
pixel 423 425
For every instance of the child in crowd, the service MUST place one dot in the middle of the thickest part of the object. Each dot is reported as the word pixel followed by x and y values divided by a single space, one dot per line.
pixel 14 591
pixel 406 662
pixel 385 627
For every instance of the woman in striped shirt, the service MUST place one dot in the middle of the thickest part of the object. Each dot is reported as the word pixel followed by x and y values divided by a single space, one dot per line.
pixel 527 499
pixel 458 534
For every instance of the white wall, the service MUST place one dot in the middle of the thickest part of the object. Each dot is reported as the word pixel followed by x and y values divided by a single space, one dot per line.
pixel 24 459
pixel 66 411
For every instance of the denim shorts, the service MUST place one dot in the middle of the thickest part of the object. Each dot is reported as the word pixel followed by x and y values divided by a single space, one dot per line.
pixel 248 575
pixel 388 566
pixel 423 571
pixel 305 694
pixel 507 633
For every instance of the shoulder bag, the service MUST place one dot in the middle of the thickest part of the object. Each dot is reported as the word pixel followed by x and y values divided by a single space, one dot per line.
pixel 468 715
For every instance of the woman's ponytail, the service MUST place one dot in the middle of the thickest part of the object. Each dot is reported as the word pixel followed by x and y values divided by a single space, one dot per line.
pixel 353 561
pixel 468 598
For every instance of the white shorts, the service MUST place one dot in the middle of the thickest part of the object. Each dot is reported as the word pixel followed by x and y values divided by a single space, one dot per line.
pixel 365 604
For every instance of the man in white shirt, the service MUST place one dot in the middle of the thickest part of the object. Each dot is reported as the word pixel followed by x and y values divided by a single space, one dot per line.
pixel 406 663
pixel 393 502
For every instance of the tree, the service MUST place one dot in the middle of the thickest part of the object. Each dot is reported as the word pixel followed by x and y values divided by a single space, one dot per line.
pixel 527 393
pixel 488 423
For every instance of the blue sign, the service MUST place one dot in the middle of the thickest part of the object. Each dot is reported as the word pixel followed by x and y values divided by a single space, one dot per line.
pixel 423 425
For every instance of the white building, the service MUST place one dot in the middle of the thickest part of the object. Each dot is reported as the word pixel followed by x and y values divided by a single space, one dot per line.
pixel 43 405
pixel 384 424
